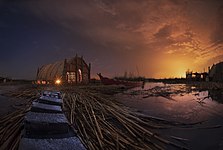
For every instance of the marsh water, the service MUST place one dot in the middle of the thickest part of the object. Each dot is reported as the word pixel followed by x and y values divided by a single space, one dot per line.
pixel 182 103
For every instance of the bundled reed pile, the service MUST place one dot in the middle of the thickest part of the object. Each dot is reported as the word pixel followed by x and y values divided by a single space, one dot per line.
pixel 166 91
pixel 11 124
pixel 10 129
pixel 24 93
pixel 102 123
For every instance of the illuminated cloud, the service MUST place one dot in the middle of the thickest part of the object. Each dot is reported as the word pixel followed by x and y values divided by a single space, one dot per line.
pixel 119 36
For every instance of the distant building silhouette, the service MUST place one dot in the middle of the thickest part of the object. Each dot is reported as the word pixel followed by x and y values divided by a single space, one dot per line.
pixel 196 76
pixel 5 79
pixel 215 73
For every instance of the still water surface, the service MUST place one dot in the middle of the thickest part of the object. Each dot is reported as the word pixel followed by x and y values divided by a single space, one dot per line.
pixel 179 102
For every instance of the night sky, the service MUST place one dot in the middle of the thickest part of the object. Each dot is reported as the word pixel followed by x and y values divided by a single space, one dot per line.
pixel 152 38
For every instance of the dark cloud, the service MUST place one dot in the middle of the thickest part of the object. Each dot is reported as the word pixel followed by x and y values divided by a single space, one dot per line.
pixel 217 35
pixel 164 32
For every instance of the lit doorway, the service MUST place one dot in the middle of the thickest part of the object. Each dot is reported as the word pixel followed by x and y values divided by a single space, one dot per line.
pixel 71 77
pixel 79 75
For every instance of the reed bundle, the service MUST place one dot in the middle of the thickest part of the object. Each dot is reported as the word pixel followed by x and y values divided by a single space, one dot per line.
pixel 24 93
pixel 103 123
pixel 11 124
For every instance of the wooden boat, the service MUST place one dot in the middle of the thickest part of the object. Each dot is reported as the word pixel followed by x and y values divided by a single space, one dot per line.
pixel 108 81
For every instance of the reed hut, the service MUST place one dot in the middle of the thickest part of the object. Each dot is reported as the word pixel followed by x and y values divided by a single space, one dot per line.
pixel 216 72
pixel 69 71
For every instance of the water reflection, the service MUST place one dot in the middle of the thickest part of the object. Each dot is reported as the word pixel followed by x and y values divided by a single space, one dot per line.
pixel 170 91
pixel 181 103
pixel 216 95
pixel 175 101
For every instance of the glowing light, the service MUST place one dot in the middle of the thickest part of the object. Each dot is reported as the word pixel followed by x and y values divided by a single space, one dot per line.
pixel 58 81
pixel 43 82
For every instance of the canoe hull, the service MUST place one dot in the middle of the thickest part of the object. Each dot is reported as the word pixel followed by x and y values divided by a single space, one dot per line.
pixel 108 81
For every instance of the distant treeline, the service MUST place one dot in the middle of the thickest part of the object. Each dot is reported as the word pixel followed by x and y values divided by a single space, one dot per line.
pixel 164 80
pixel 14 81
pixel 131 78
pixel 167 80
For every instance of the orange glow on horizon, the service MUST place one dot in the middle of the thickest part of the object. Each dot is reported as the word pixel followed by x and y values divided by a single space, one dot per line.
pixel 172 66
